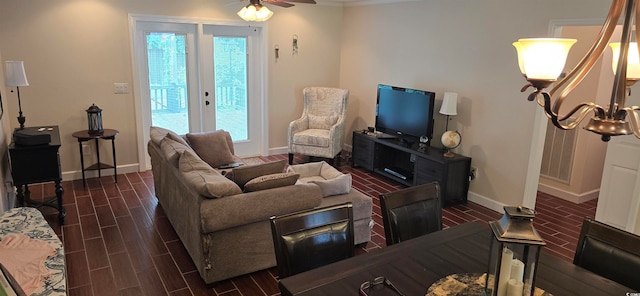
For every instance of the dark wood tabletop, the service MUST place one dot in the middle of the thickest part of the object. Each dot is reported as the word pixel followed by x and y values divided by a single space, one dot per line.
pixel 412 266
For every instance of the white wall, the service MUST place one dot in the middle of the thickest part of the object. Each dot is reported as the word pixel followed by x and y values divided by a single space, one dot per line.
pixel 462 46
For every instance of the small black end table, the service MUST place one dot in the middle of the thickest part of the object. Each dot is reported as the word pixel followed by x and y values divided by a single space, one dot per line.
pixel 107 134
pixel 32 164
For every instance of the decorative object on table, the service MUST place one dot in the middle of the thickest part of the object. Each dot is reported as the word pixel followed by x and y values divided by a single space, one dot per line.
pixel 94 118
pixel 15 76
pixel 542 60
pixel 514 252
pixel 464 284
pixel 450 139
pixel 378 282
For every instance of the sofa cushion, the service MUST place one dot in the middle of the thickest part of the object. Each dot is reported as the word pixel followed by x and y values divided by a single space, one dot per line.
pixel 271 181
pixel 172 150
pixel 242 175
pixel 335 186
pixel 212 147
pixel 207 181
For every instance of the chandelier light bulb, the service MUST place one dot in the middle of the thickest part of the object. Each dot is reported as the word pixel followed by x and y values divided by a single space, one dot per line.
pixel 633 60
pixel 543 58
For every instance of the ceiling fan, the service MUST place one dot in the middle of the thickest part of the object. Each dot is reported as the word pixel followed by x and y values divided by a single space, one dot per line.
pixel 256 12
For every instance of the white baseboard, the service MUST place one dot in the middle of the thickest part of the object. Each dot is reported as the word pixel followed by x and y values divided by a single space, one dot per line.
pixel 122 169
pixel 569 196
pixel 486 202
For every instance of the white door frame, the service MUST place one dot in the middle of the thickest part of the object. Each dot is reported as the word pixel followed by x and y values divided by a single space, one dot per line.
pixel 142 111
pixel 540 123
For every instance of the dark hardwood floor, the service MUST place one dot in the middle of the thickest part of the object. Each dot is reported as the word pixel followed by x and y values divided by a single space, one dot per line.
pixel 118 240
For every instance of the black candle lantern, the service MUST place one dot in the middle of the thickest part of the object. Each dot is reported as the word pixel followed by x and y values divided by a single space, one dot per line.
pixel 94 117
pixel 513 258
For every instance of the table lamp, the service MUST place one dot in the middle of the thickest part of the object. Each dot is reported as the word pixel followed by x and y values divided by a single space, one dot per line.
pixel 450 139
pixel 15 76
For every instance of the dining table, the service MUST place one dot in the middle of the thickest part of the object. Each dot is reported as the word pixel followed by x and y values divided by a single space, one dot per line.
pixel 415 265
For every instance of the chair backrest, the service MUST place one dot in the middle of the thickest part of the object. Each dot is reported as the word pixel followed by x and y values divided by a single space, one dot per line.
pixel 610 252
pixel 325 102
pixel 411 212
pixel 310 239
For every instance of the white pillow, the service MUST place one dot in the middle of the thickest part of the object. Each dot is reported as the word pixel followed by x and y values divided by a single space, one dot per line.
pixel 335 186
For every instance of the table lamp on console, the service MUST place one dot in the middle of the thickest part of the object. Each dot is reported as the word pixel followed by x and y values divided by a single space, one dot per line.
pixel 450 139
pixel 15 76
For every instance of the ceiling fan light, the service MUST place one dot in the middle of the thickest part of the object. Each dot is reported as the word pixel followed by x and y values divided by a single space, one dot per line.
pixel 633 60
pixel 543 58
pixel 255 13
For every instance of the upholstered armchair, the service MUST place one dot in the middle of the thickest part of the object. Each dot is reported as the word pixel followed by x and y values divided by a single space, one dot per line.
pixel 319 132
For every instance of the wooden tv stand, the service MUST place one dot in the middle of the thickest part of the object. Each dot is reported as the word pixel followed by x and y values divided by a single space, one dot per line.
pixel 409 165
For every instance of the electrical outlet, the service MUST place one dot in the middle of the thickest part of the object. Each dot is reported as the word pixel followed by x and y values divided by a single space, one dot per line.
pixel 473 173
pixel 121 88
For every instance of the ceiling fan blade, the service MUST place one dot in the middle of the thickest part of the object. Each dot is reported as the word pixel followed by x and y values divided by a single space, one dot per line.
pixel 303 1
pixel 280 3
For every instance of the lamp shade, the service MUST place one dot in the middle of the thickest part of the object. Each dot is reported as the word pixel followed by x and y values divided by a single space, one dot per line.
pixel 543 58
pixel 15 75
pixel 633 60
pixel 255 13
pixel 449 104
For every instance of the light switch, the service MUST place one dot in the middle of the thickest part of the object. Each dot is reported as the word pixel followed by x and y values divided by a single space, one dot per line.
pixel 121 88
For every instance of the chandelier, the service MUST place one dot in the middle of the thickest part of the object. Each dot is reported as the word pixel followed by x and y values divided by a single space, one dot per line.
pixel 542 60
pixel 255 12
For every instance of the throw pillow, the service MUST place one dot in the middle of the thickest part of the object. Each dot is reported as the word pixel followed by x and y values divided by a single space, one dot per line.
pixel 242 175
pixel 271 181
pixel 205 180
pixel 335 186
pixel 179 139
pixel 212 147
pixel 172 150
pixel 322 122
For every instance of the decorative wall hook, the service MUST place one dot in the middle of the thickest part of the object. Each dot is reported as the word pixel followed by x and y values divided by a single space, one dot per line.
pixel 276 50
pixel 294 44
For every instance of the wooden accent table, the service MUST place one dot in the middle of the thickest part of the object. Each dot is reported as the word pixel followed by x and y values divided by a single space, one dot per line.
pixel 107 134
pixel 32 164
pixel 412 266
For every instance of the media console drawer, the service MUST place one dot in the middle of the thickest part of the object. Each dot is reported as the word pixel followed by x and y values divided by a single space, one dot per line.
pixel 408 165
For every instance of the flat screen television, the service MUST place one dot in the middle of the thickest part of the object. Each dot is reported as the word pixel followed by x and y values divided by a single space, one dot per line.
pixel 405 113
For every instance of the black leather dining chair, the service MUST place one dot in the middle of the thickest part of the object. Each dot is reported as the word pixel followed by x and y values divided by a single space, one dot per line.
pixel 411 212
pixel 310 239
pixel 610 252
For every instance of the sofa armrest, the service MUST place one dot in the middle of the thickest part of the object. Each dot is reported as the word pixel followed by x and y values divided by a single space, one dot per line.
pixel 245 208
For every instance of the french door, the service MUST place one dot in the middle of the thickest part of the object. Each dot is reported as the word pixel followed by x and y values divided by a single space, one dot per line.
pixel 195 77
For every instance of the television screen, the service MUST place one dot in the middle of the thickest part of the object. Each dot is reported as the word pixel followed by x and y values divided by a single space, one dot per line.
pixel 404 112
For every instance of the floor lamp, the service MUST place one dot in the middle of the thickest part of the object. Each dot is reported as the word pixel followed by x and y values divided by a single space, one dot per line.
pixel 16 77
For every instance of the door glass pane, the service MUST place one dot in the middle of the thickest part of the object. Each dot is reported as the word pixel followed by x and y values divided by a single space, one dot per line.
pixel 167 62
pixel 230 71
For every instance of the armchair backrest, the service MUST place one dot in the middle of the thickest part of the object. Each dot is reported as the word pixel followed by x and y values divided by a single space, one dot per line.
pixel 325 106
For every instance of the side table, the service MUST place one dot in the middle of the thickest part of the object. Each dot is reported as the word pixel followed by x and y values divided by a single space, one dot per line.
pixel 32 164
pixel 107 134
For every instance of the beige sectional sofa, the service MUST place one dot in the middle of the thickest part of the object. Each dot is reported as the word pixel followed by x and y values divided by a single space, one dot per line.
pixel 223 226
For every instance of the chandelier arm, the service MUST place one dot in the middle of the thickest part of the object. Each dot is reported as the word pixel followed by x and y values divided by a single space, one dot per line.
pixel 634 120
pixel 586 63
pixel 582 110
pixel 619 90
